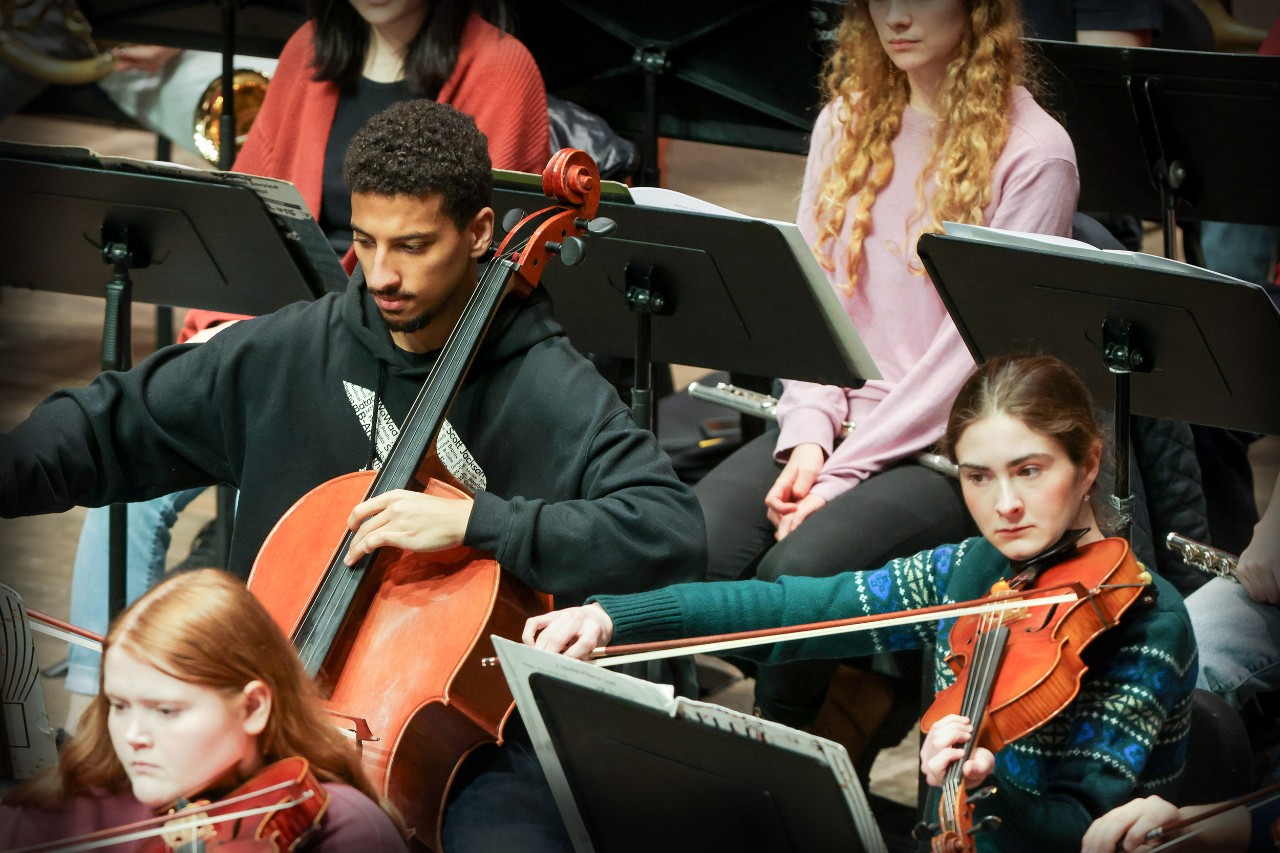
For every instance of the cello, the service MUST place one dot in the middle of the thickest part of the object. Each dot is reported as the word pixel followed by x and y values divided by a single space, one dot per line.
pixel 395 641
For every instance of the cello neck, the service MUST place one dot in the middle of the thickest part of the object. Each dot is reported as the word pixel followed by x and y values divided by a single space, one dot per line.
pixel 319 629
pixel 418 433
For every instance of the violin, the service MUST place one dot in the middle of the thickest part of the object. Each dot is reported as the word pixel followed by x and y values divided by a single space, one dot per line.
pixel 278 809
pixel 1016 653
pixel 395 640
pixel 1016 670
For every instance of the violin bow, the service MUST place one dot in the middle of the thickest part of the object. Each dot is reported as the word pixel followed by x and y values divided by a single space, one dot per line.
pixel 637 652
pixel 1251 801
pixel 54 627
pixel 156 826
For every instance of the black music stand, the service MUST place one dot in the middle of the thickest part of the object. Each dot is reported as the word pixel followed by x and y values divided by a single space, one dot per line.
pixel 1169 134
pixel 696 71
pixel 157 233
pixel 686 287
pixel 633 773
pixel 1165 339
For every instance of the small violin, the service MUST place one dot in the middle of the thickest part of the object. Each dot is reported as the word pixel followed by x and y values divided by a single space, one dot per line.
pixel 276 810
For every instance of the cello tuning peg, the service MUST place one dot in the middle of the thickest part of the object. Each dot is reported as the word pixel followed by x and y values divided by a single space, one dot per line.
pixel 924 830
pixel 601 226
pixel 571 251
pixel 512 219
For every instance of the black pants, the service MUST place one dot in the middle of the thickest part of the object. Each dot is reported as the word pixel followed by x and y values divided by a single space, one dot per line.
pixel 896 513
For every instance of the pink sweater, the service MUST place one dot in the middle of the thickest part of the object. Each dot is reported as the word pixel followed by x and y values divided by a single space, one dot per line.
pixel 898 314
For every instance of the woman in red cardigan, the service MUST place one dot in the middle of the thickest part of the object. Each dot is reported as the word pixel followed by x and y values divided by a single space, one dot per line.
pixel 351 60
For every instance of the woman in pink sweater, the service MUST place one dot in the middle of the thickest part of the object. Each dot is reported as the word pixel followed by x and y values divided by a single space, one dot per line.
pixel 926 121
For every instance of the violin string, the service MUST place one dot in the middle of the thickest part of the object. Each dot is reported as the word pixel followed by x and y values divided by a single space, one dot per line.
pixel 337 588
pixel 981 670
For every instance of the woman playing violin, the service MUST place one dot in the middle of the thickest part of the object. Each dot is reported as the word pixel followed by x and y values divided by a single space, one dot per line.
pixel 200 692
pixel 1023 433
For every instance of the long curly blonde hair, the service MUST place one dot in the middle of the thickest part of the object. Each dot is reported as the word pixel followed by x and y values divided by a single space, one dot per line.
pixel 206 628
pixel 974 106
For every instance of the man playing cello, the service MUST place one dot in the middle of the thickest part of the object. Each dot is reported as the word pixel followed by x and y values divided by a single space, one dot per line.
pixel 569 495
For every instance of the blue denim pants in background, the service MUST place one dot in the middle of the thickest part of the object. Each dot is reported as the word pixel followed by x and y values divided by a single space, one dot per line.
pixel 1239 641
pixel 148 537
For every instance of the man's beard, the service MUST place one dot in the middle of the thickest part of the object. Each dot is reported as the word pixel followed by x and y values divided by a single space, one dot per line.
pixel 409 326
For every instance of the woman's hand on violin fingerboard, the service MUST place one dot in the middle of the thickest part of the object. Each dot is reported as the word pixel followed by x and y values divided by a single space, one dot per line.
pixel 944 745
pixel 410 521
pixel 574 631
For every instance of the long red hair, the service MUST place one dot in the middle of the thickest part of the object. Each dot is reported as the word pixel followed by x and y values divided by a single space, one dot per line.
pixel 205 627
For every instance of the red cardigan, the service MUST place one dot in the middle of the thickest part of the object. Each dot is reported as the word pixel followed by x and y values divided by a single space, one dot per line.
pixel 496 81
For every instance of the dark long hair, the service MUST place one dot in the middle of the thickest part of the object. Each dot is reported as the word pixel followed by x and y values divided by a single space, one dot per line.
pixel 341 39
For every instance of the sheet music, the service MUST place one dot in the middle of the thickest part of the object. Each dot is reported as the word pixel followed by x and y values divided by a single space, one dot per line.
pixel 519 662
pixel 28 732
pixel 1067 245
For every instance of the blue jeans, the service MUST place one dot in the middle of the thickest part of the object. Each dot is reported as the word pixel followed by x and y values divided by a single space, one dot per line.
pixel 1239 641
pixel 148 539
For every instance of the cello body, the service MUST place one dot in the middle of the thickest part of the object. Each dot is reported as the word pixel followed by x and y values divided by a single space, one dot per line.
pixel 407 685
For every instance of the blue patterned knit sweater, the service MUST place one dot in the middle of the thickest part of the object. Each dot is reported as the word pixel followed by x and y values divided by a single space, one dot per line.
pixel 1123 736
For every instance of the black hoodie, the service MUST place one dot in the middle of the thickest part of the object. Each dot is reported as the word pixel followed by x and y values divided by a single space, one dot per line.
pixel 571 496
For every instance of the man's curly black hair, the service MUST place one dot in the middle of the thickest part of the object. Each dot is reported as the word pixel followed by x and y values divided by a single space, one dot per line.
pixel 420 147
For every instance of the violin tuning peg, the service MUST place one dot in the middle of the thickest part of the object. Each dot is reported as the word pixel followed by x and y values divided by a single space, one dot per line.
pixel 923 831
pixel 979 794
pixel 512 219
pixel 987 824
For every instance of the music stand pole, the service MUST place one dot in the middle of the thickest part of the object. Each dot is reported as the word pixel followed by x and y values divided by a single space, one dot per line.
pixel 227 118
pixel 645 302
pixel 1122 358
pixel 123 252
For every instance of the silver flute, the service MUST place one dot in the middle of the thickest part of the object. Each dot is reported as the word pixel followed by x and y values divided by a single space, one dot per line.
pixel 1204 557
pixel 766 406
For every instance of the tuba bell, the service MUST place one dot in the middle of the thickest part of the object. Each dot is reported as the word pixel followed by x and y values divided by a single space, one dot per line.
pixel 249 88
pixel 56 25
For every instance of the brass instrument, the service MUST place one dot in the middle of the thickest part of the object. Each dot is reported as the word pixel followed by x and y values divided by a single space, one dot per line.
pixel 1230 34
pixel 249 88
pixel 33 31
pixel 765 406
pixel 40 18
pixel 1200 556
